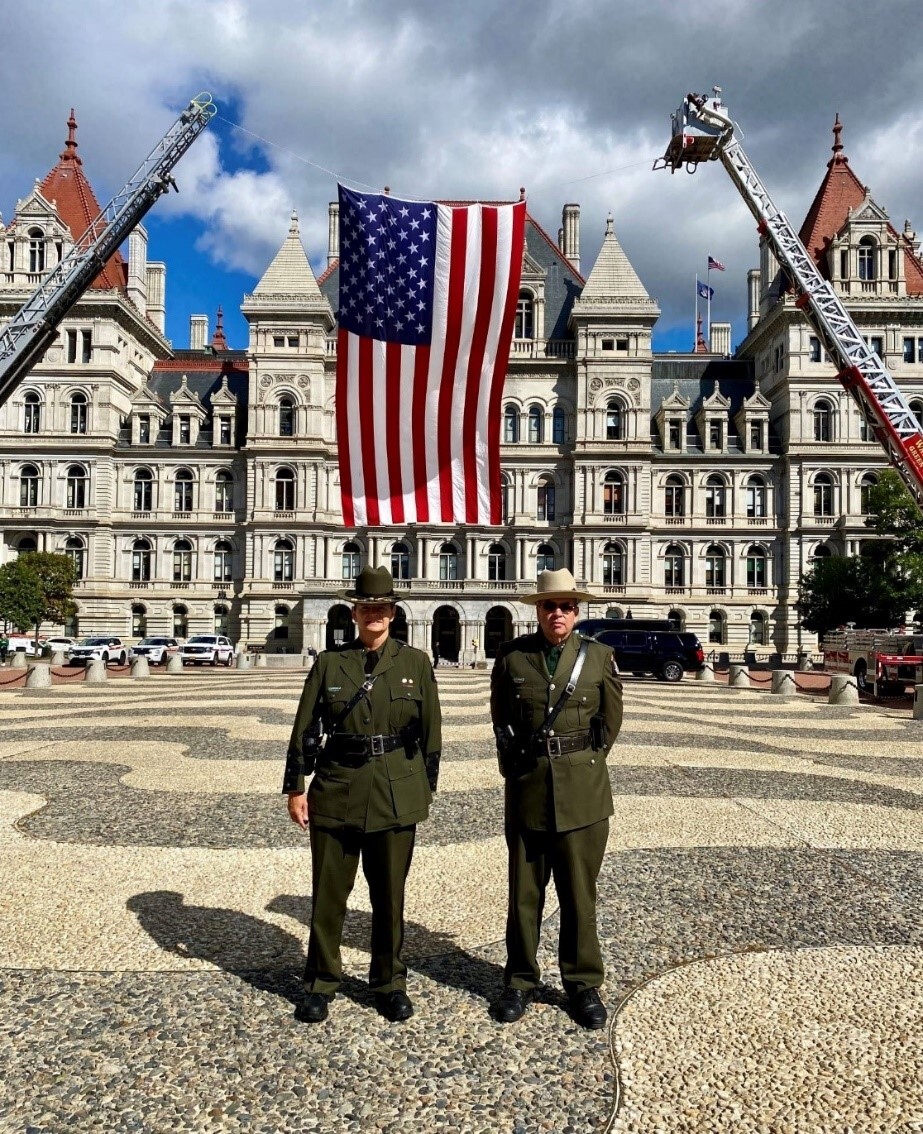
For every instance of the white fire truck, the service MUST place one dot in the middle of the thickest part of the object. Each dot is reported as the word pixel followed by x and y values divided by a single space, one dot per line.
pixel 882 661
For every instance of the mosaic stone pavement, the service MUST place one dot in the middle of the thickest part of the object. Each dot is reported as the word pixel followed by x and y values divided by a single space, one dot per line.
pixel 760 912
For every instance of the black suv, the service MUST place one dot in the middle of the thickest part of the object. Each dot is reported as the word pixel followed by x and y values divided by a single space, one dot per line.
pixel 665 652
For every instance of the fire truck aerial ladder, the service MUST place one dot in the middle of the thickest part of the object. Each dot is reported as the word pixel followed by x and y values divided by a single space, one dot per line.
pixel 703 131
pixel 28 334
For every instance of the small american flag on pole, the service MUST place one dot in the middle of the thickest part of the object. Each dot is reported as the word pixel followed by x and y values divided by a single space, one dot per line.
pixel 715 265
pixel 428 296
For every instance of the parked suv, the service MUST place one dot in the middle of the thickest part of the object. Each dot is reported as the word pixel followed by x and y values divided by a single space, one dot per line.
pixel 207 649
pixel 666 653
pixel 156 650
pixel 98 647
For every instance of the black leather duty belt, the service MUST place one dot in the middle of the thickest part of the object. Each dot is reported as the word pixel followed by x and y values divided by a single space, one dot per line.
pixel 561 745
pixel 353 746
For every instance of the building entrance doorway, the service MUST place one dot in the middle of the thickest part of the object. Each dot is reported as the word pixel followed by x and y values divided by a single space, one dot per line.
pixel 399 625
pixel 340 626
pixel 498 628
pixel 446 639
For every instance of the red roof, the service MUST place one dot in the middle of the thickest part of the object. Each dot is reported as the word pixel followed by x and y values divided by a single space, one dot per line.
pixel 839 192
pixel 67 186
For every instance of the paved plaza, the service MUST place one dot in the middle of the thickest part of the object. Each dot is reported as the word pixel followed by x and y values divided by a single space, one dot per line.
pixel 760 912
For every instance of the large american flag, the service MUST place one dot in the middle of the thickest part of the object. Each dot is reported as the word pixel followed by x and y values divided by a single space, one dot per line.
pixel 428 296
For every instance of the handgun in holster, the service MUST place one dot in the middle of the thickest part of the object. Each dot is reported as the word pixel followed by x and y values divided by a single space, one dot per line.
pixel 599 734
pixel 312 743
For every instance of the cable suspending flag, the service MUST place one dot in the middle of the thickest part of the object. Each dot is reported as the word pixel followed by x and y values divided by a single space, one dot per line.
pixel 428 296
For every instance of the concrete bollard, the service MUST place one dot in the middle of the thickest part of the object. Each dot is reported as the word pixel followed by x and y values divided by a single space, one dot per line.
pixel 260 661
pixel 918 702
pixel 140 668
pixel 783 683
pixel 843 690
pixel 39 677
pixel 58 658
pixel 242 661
pixel 739 677
pixel 96 672
pixel 18 661
pixel 175 664
pixel 706 673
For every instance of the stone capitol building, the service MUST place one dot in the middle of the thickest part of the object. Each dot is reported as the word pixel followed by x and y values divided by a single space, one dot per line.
pixel 197 489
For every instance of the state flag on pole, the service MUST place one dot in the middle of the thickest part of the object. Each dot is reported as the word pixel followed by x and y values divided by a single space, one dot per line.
pixel 715 265
pixel 428 296
pixel 704 290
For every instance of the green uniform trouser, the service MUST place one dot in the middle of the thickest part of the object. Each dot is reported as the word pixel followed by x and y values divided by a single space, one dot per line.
pixel 335 855
pixel 574 859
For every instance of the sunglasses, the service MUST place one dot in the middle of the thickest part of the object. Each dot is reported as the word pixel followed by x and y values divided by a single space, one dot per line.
pixel 549 606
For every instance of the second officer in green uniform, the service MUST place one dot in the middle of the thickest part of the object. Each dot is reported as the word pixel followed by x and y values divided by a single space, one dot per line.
pixel 369 726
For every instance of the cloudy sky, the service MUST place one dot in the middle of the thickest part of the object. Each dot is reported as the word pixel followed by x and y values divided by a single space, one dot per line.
pixel 463 100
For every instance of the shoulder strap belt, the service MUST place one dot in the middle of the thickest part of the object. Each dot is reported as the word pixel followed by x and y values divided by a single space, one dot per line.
pixel 542 733
pixel 364 689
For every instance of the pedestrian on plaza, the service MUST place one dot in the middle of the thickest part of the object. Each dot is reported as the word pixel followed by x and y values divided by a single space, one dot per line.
pixel 370 729
pixel 556 707
pixel 4 648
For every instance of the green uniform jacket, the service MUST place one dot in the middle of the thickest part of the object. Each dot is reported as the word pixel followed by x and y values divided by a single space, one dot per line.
pixel 390 790
pixel 572 790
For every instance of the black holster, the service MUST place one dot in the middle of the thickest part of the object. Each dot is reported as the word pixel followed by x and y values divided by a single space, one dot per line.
pixel 599 734
pixel 312 742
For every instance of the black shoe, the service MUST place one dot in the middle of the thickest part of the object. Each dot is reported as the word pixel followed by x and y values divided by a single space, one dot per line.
pixel 512 1004
pixel 394 1005
pixel 314 1007
pixel 587 1009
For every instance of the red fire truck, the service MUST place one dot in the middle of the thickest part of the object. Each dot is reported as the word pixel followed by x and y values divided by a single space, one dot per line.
pixel 882 661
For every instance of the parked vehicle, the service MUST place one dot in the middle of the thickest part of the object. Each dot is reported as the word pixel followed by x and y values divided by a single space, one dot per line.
pixel 157 650
pixel 667 654
pixel 207 649
pixel 62 645
pixel 22 643
pixel 882 661
pixel 98 647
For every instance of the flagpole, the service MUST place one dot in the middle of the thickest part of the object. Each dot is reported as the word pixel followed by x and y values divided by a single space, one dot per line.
pixel 708 278
pixel 695 324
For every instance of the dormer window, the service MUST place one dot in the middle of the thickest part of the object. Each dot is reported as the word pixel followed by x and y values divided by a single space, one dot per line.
pixel 224 431
pixel 756 435
pixel 185 428
pixel 714 435
pixel 36 250
pixel 866 258
pixel 524 316
pixel 674 435
pixel 144 429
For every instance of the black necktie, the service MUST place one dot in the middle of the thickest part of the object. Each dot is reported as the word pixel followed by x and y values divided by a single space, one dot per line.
pixel 371 660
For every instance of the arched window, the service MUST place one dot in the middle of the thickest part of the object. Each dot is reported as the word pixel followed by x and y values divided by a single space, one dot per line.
pixel 613 565
pixel 76 552
pixel 756 567
pixel 544 559
pixel 524 316
pixel 182 491
pixel 285 490
pixel 351 557
pixel 677 619
pixel 222 619
pixel 614 493
pixel 32 420
pixel 78 413
pixel 400 561
pixel 141 561
pixel 868 482
pixel 822 551
pixel 715 562
pixel 674 499
pixel 867 249
pixel 448 561
pixel 716 628
pixel 674 566
pixel 536 425
pixel 280 625
pixel 28 487
pixel 36 250
pixel 138 620
pixel 223 561
pixel 76 487
pixel 286 417
pixel 224 491
pixel 545 507
pixel 823 420
pixel 25 545
pixel 756 497
pixel 283 561
pixel 757 628
pixel 916 407
pixel 496 562
pixel 615 421
pixel 182 561
pixel 180 622
pixel 511 424
pixel 823 495
pixel 143 490
pixel 715 497
pixel 558 426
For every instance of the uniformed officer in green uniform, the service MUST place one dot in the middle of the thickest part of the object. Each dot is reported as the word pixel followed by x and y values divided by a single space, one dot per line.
pixel 375 769
pixel 558 797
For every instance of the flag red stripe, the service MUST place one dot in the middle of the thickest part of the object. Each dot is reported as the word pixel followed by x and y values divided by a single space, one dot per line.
pixel 366 427
pixel 393 437
pixel 486 284
pixel 419 432
pixel 503 354
pixel 456 300
pixel 346 480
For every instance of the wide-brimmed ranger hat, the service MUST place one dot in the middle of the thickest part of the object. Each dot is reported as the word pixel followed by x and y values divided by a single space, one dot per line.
pixel 557 585
pixel 373 584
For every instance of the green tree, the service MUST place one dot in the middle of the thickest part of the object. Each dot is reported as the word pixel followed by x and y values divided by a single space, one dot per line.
pixel 55 576
pixel 867 590
pixel 21 599
pixel 894 514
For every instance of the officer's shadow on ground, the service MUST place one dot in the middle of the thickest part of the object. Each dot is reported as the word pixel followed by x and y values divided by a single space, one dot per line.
pixel 271 959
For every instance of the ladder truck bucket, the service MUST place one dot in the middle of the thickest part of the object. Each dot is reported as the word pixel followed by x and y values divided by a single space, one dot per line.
pixel 696 135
